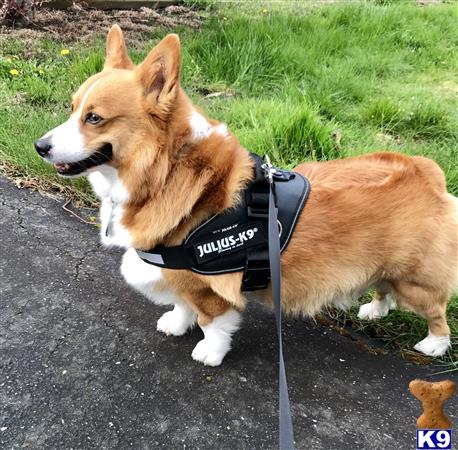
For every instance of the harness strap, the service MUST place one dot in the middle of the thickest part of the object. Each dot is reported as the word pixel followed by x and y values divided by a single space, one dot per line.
pixel 286 434
pixel 256 275
pixel 236 239
pixel 168 257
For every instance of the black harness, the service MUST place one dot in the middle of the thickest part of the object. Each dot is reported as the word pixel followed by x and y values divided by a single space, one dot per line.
pixel 237 239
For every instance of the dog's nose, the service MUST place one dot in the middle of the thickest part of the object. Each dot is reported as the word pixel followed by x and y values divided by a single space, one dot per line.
pixel 43 145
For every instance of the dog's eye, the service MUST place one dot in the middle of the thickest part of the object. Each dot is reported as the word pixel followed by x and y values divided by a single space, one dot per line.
pixel 93 119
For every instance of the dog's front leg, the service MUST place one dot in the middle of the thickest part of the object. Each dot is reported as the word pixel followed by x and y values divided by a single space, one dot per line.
pixel 218 320
pixel 149 281
pixel 218 302
pixel 218 332
pixel 178 321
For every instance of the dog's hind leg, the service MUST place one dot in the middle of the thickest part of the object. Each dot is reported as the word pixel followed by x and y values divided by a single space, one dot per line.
pixel 379 306
pixel 149 281
pixel 430 305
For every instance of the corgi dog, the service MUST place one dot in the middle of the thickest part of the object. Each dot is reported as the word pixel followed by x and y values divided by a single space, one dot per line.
pixel 381 221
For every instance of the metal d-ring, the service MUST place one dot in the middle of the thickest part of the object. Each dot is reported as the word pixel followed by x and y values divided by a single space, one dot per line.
pixel 280 228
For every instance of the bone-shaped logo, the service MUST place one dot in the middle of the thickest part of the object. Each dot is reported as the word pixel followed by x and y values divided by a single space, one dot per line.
pixel 433 397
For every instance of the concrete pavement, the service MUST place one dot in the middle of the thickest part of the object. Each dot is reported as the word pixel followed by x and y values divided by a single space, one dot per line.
pixel 82 366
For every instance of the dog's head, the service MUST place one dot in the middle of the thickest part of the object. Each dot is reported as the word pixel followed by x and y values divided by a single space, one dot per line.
pixel 117 109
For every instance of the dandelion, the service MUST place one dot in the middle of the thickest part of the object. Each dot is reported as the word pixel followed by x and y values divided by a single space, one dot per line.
pixel 41 72
pixel 265 11
pixel 65 52
pixel 224 18
pixel 14 72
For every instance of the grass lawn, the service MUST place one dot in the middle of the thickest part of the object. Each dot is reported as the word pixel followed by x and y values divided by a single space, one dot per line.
pixel 304 82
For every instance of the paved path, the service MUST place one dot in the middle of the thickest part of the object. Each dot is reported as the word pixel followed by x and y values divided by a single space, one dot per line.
pixel 82 366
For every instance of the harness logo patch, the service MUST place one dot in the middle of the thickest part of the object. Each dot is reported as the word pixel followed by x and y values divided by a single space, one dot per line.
pixel 228 243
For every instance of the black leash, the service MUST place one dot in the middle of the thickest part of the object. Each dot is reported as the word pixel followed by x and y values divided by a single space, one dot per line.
pixel 286 438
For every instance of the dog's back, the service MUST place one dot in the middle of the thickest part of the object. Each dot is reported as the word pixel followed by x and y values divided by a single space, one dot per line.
pixel 382 217
pixel 372 169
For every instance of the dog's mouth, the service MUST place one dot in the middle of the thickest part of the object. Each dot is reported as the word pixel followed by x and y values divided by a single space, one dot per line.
pixel 101 156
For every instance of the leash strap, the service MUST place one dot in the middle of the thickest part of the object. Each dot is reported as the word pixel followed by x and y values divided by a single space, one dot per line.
pixel 286 438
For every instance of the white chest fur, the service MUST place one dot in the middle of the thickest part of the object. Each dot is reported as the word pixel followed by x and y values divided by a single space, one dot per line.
pixel 109 188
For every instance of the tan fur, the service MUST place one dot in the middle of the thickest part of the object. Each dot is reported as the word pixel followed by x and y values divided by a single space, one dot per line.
pixel 382 220
pixel 116 55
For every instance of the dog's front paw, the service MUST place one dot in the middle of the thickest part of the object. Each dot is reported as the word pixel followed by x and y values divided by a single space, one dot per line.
pixel 176 322
pixel 374 310
pixel 217 338
pixel 168 325
pixel 206 353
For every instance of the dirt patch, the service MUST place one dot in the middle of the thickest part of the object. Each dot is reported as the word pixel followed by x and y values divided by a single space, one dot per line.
pixel 387 139
pixel 80 23
pixel 449 88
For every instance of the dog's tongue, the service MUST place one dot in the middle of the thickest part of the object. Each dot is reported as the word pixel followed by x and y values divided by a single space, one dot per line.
pixel 61 166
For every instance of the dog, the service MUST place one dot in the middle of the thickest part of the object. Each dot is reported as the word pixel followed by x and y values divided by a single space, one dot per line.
pixel 160 168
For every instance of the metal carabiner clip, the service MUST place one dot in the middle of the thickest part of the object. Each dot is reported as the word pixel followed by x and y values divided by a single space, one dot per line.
pixel 268 169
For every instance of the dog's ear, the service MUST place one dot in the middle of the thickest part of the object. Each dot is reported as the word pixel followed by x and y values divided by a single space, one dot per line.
pixel 116 57
pixel 159 73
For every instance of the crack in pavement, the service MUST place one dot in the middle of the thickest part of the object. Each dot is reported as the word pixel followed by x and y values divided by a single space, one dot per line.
pixel 80 261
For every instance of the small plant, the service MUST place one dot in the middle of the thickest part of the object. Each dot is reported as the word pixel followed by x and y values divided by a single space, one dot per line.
pixel 384 114
pixel 306 135
pixel 418 119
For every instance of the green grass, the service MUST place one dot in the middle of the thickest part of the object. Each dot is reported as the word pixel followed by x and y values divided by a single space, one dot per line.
pixel 380 75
